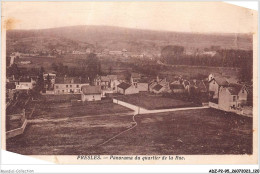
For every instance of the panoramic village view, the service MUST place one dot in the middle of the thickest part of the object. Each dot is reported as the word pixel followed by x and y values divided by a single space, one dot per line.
pixel 144 93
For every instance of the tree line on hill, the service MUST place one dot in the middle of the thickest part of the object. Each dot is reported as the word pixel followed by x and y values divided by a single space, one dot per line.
pixel 242 59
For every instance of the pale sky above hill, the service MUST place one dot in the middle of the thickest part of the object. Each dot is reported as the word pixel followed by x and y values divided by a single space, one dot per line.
pixel 171 16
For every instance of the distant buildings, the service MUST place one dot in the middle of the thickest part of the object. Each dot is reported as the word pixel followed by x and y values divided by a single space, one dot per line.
pixel 117 53
pixel 78 52
pixel 25 62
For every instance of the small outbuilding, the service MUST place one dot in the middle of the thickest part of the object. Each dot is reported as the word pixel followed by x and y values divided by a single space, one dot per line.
pixel 90 93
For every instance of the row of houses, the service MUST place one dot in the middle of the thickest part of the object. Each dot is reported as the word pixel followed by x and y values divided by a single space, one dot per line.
pixel 224 92
pixel 114 84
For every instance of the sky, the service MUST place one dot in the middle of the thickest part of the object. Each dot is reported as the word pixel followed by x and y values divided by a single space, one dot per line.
pixel 201 17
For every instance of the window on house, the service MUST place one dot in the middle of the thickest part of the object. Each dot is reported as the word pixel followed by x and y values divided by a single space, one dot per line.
pixel 63 91
pixel 57 87
pixel 67 86
pixel 71 86
pixel 234 98
pixel 77 86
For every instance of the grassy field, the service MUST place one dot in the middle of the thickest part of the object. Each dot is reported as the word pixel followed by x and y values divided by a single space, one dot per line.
pixel 204 131
pixel 60 98
pixel 77 136
pixel 154 102
pixel 63 110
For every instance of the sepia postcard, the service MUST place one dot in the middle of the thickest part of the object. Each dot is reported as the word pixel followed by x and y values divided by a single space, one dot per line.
pixel 130 82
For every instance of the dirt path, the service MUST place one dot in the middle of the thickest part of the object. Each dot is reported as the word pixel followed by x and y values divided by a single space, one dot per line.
pixel 114 137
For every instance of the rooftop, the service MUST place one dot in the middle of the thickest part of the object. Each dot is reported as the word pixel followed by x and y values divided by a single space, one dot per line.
pixel 87 89
pixel 104 78
pixel 123 85
pixel 71 80
pixel 221 81
pixel 234 90
pixel 157 87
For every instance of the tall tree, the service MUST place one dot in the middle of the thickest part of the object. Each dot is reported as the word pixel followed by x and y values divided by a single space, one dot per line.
pixel 171 53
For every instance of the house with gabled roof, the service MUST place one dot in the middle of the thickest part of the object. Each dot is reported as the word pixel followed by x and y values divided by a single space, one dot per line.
pixel 139 82
pixel 126 89
pixel 90 93
pixel 113 82
pixel 25 83
pixel 228 98
pixel 214 85
pixel 157 89
pixel 155 86
pixel 135 77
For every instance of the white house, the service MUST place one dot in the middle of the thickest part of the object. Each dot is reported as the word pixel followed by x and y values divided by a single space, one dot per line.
pixel 108 84
pixel 90 93
pixel 24 84
pixel 232 97
pixel 113 82
pixel 69 85
pixel 142 85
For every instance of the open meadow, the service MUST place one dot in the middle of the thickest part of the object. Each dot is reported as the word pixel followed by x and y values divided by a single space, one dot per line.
pixel 65 110
pixel 201 132
pixel 150 101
